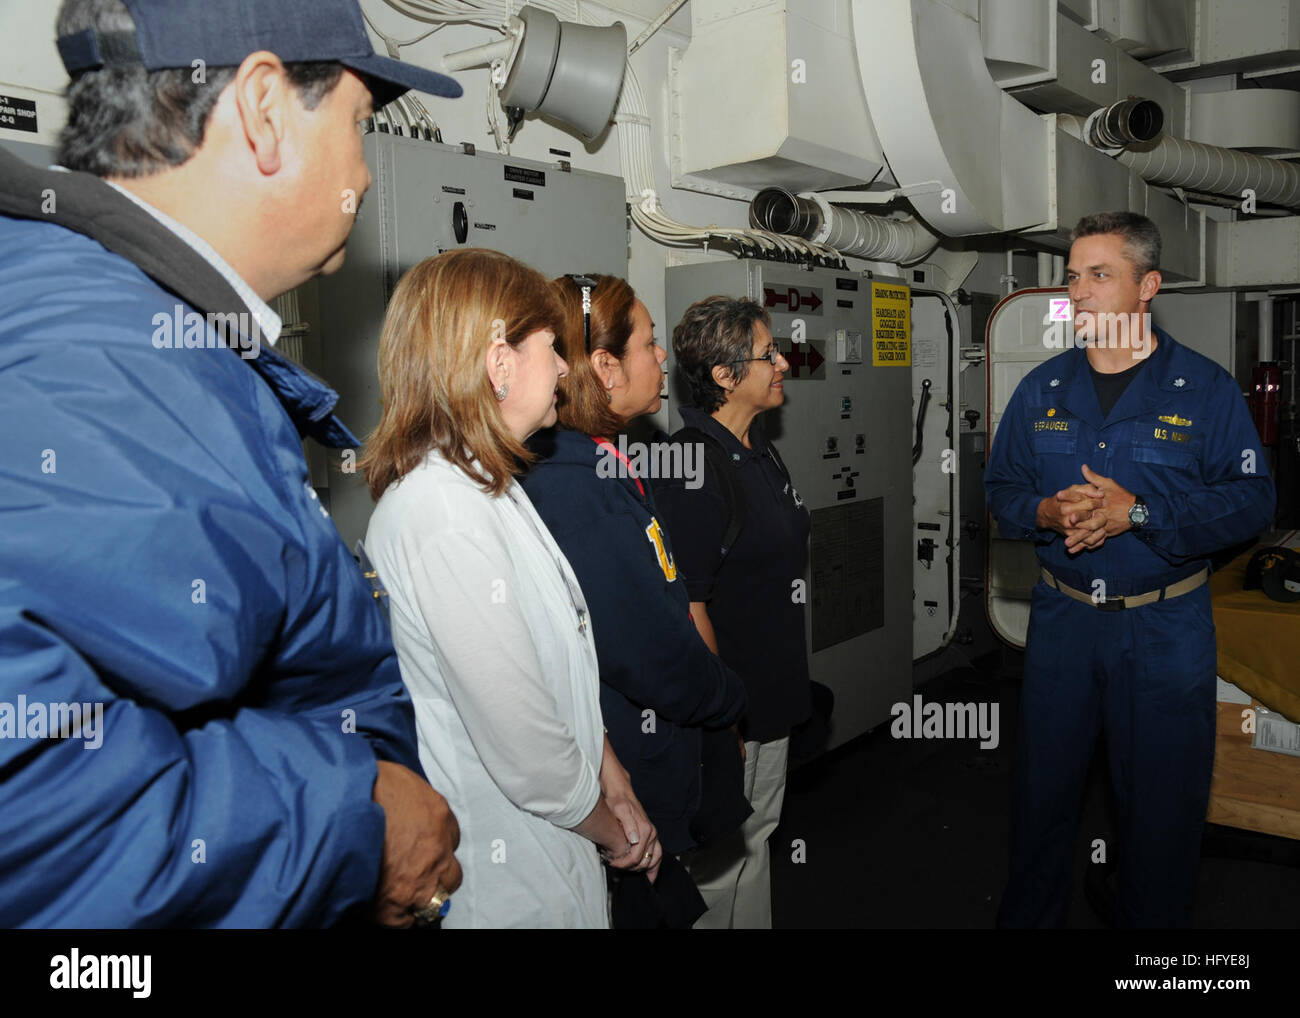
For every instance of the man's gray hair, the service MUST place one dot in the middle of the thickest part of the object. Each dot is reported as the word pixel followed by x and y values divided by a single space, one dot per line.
pixel 130 122
pixel 1141 237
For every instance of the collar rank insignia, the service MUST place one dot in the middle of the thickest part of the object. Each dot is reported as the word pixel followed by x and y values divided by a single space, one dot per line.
pixel 1180 381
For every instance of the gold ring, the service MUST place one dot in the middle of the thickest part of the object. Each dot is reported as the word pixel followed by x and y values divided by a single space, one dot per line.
pixel 434 910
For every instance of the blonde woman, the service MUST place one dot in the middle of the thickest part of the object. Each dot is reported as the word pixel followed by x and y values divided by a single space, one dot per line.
pixel 492 632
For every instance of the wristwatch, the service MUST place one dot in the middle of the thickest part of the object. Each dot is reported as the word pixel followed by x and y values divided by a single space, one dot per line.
pixel 1138 514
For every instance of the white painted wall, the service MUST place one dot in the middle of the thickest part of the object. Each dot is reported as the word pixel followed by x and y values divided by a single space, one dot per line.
pixel 30 68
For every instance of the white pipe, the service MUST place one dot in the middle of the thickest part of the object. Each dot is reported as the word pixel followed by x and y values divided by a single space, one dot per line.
pixel 1009 276
pixel 1176 162
pixel 655 25
pixel 1044 269
pixel 1071 124
pixel 1058 270
pixel 478 55
pixel 812 217
pixel 902 241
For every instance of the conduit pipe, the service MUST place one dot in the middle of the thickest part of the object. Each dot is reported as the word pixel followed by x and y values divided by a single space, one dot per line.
pixel 811 217
pixel 1044 260
pixel 1177 162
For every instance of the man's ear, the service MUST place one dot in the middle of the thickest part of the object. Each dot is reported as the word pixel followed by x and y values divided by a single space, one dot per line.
pixel 1150 285
pixel 263 98
pixel 724 377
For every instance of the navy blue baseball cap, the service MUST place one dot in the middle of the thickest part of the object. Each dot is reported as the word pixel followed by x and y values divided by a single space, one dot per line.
pixel 221 33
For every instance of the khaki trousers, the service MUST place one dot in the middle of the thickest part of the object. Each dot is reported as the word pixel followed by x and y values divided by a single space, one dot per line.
pixel 733 874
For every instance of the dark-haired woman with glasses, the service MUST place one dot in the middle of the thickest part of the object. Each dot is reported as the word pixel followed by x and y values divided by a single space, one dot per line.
pixel 661 686
pixel 744 599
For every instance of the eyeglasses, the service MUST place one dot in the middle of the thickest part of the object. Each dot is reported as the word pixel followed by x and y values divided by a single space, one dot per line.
pixel 588 284
pixel 772 354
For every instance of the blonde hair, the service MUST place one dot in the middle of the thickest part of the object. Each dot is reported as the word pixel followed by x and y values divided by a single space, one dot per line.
pixel 432 365
pixel 583 405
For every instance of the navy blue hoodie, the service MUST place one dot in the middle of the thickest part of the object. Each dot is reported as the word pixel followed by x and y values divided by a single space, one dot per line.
pixel 660 683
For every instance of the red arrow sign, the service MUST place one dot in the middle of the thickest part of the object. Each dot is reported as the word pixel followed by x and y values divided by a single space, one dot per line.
pixel 792 299
pixel 803 356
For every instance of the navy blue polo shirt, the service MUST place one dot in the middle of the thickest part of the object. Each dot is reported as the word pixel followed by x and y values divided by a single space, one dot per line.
pixel 754 602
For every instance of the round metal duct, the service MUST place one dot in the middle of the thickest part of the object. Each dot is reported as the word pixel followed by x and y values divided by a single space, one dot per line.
pixel 567 71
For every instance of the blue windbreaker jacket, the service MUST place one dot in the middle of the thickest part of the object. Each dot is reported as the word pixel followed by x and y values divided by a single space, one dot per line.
pixel 164 559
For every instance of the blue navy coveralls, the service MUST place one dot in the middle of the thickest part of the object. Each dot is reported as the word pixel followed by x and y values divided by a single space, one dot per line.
pixel 1179 436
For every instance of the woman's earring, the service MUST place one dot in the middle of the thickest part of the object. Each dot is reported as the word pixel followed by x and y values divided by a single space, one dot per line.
pixel 501 392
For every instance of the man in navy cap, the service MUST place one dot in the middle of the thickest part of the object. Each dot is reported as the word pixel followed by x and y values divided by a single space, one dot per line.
pixel 201 717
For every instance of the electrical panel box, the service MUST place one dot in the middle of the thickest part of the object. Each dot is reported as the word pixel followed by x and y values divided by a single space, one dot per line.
pixel 427 198
pixel 844 432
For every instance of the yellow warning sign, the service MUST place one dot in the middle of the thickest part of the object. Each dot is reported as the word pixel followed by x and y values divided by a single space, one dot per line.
pixel 891 325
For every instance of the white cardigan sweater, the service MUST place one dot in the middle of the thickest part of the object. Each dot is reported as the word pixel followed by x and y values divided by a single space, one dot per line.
pixel 495 646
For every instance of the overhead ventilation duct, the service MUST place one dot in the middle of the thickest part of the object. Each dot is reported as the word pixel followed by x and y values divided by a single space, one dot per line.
pixel 806 125
pixel 902 241
pixel 1261 121
pixel 1050 62
pixel 1176 162
pixel 941 118
pixel 1123 123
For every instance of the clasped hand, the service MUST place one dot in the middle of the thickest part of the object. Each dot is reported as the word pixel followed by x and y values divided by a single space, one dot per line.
pixel 1086 514
pixel 643 851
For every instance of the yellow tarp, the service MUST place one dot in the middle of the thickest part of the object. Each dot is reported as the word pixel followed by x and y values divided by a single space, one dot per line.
pixel 1259 640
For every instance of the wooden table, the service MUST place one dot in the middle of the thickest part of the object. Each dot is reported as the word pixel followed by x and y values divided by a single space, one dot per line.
pixel 1252 788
